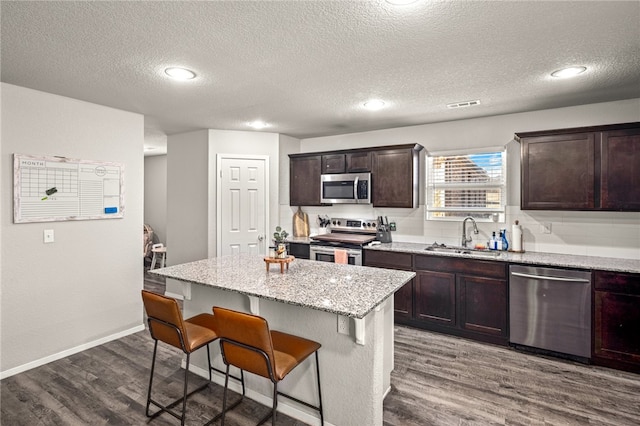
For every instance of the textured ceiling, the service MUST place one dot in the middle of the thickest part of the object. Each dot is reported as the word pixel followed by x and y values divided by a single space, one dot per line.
pixel 306 66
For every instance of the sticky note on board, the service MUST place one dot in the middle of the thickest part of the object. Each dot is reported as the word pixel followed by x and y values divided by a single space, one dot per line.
pixel 110 210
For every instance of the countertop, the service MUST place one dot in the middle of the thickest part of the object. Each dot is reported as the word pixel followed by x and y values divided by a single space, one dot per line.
pixel 545 259
pixel 347 290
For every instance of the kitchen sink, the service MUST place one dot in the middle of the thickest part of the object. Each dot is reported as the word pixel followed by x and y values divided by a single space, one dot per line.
pixel 442 248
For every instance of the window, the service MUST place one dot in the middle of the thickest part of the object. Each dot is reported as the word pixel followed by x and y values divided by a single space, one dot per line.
pixel 467 184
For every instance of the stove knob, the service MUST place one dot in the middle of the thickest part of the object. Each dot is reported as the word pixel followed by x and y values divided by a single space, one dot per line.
pixel 339 223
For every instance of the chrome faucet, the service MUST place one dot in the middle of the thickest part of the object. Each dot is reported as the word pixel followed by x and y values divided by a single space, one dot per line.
pixel 466 240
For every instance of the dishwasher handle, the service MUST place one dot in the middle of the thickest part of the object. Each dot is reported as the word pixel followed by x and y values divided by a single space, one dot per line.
pixel 550 278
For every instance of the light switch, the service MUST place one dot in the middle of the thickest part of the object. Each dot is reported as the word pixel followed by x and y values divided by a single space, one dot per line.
pixel 48 236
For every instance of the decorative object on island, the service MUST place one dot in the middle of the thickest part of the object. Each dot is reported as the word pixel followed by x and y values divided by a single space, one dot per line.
pixel 280 261
pixel 280 238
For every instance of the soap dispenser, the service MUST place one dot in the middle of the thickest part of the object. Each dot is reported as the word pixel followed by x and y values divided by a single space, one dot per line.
pixel 505 243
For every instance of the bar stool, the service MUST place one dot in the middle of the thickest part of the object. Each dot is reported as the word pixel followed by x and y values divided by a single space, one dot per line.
pixel 247 343
pixel 158 250
pixel 167 325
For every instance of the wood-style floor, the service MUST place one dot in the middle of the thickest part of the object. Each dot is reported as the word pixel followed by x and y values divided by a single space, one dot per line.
pixel 438 380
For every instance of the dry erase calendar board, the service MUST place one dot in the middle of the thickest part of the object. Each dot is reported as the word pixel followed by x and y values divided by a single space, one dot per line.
pixel 48 189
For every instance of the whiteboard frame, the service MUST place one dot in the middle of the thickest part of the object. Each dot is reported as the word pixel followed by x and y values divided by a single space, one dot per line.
pixel 17 194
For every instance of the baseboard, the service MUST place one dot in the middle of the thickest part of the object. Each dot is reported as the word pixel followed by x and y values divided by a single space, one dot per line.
pixel 285 406
pixel 46 360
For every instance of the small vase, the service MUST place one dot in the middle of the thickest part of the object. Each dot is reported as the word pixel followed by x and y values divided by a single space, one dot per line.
pixel 281 251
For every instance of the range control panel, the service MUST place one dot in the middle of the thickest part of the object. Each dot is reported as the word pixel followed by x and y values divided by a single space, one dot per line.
pixel 354 225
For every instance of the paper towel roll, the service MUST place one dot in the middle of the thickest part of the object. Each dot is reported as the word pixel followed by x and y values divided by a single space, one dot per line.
pixel 516 238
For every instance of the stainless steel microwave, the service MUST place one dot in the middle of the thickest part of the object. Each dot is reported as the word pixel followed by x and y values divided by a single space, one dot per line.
pixel 347 188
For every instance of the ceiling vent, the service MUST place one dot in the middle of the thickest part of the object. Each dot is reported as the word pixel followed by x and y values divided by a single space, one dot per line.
pixel 463 104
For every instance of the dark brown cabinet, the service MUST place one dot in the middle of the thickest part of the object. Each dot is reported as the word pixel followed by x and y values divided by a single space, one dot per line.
pixel 589 168
pixel 403 298
pixel 617 320
pixel 304 178
pixel 459 296
pixel 334 163
pixel 395 177
pixel 620 169
pixel 299 250
pixel 394 174
pixel 435 297
pixel 352 162
pixel 464 297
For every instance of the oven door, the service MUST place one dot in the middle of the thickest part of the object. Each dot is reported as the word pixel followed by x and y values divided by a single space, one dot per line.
pixel 326 254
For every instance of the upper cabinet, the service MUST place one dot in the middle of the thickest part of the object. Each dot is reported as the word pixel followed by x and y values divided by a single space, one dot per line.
pixel 394 174
pixel 395 177
pixel 352 162
pixel 304 180
pixel 588 168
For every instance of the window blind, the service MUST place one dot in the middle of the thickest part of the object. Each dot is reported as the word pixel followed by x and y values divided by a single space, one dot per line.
pixel 460 185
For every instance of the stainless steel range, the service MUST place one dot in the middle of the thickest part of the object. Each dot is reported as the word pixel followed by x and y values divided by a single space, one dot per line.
pixel 346 234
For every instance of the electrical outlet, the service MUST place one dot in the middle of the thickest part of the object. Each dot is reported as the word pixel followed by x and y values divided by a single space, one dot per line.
pixel 392 226
pixel 545 228
pixel 48 236
pixel 343 324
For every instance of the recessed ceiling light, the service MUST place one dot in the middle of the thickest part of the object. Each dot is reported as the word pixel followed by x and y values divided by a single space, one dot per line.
pixel 180 73
pixel 568 72
pixel 258 124
pixel 374 104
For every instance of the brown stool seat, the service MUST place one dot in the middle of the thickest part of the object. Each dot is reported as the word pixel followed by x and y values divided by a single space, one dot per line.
pixel 289 351
pixel 247 343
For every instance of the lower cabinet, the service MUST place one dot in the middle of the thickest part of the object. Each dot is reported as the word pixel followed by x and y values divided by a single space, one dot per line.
pixel 464 297
pixel 299 250
pixel 459 296
pixel 617 320
pixel 403 298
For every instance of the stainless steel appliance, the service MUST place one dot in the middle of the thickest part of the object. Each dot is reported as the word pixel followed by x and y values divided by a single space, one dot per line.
pixel 550 309
pixel 346 234
pixel 346 188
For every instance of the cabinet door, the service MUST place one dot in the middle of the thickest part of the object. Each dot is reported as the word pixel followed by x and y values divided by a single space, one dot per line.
pixel 299 250
pixel 617 327
pixel 403 302
pixel 620 175
pixel 558 172
pixel 395 180
pixel 482 305
pixel 403 298
pixel 304 181
pixel 358 162
pixel 334 163
pixel 435 297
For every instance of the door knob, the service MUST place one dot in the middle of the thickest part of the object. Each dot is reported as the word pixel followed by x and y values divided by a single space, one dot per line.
pixel 260 238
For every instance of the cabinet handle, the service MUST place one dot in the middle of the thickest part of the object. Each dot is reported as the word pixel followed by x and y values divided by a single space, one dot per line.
pixel 550 278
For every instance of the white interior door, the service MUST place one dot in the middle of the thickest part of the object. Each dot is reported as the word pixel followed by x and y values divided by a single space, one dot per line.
pixel 242 204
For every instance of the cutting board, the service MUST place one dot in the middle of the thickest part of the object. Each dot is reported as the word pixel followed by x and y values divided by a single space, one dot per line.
pixel 300 224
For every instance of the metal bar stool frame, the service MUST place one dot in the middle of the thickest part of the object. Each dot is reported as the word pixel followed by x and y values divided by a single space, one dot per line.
pixel 169 407
pixel 272 413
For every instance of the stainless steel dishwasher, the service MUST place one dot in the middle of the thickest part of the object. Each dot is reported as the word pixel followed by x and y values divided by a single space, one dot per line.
pixel 550 309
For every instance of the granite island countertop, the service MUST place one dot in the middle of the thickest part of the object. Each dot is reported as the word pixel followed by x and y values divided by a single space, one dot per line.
pixel 533 258
pixel 347 290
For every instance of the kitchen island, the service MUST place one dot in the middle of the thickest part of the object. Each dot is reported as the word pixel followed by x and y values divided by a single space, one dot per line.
pixel 310 300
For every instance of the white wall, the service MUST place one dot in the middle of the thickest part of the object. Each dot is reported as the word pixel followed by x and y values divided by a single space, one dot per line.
pixel 611 234
pixel 191 189
pixel 84 288
pixel 155 195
